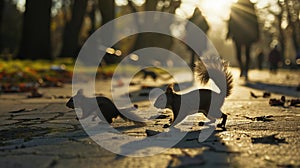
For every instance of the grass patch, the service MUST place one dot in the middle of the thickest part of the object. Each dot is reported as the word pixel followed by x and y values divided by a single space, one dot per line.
pixel 24 65
pixel 25 75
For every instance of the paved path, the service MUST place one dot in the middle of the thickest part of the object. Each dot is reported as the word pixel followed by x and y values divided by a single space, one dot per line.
pixel 44 133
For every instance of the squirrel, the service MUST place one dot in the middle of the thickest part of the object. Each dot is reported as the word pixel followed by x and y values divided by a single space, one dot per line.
pixel 107 107
pixel 153 75
pixel 214 69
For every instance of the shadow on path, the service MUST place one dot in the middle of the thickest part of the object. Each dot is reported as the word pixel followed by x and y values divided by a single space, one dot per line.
pixel 211 152
pixel 286 90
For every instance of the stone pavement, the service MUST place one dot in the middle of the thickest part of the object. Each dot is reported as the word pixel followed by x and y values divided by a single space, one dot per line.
pixel 44 133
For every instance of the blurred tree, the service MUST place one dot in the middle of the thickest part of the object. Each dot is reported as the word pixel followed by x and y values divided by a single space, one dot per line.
pixel 1 15
pixel 70 46
pixel 143 40
pixel 153 39
pixel 92 15
pixel 286 24
pixel 291 10
pixel 35 43
pixel 11 28
pixel 281 36
pixel 107 10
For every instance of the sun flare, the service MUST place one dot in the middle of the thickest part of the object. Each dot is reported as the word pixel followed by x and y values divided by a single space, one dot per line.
pixel 217 9
pixel 214 10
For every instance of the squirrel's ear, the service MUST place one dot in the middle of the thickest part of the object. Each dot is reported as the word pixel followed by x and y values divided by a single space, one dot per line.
pixel 170 88
pixel 80 92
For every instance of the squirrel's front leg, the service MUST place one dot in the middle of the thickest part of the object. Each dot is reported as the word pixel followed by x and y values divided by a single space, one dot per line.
pixel 223 123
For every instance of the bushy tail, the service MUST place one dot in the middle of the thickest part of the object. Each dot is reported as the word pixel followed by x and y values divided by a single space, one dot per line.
pixel 216 69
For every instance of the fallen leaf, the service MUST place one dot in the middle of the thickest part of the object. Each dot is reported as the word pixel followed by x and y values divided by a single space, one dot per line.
pixel 269 140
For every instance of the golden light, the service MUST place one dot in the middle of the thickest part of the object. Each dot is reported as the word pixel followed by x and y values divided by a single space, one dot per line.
pixel 217 10
pixel 284 24
pixel 139 2
pixel 211 9
pixel 110 51
pixel 219 6
pixel 287 62
pixel 121 2
pixel 134 57
pixel 186 10
pixel 118 53
pixel 298 61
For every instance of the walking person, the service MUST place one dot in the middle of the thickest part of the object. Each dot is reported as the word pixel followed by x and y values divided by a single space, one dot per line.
pixel 199 20
pixel 274 59
pixel 244 31
pixel 260 59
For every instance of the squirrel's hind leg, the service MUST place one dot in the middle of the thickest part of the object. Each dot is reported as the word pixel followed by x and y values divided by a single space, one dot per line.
pixel 223 123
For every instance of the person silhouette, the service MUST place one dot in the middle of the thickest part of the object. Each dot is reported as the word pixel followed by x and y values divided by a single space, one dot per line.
pixel 200 21
pixel 260 59
pixel 274 59
pixel 244 31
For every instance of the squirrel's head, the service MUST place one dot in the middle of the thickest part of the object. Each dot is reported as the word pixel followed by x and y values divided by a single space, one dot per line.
pixel 77 97
pixel 165 100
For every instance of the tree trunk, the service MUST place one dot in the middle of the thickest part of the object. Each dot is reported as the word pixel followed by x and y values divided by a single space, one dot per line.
pixel 92 15
pixel 296 35
pixel 294 22
pixel 35 43
pixel 281 37
pixel 1 10
pixel 151 5
pixel 1 15
pixel 70 46
pixel 282 42
pixel 107 9
pixel 144 40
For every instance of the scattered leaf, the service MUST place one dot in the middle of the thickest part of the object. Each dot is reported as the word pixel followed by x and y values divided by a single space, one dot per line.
pixel 253 95
pixel 265 95
pixel 276 102
pixel 268 140
pixel 18 111
pixel 163 116
pixel 261 118
pixel 144 94
pixel 295 102
pixel 152 133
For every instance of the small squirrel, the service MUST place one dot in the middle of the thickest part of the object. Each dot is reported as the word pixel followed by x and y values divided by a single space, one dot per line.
pixel 107 107
pixel 210 68
pixel 153 75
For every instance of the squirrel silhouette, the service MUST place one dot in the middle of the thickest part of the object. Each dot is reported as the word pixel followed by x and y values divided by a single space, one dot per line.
pixel 210 68
pixel 153 75
pixel 108 109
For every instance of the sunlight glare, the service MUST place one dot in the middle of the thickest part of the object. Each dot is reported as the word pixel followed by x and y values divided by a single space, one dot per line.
pixel 21 5
pixel 217 10
pixel 139 2
pixel 186 10
pixel 121 2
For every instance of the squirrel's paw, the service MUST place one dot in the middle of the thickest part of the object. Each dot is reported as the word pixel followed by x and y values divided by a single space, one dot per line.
pixel 220 125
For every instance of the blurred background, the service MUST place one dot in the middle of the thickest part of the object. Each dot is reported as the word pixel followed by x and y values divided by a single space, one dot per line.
pixel 51 29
